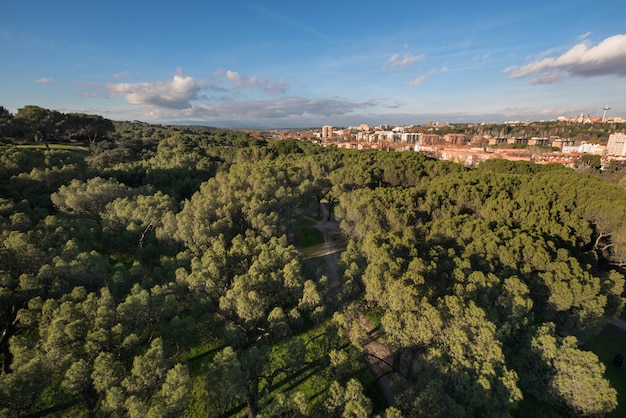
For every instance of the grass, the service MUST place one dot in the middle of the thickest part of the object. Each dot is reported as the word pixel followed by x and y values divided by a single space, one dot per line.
pixel 375 316
pixel 68 147
pixel 340 239
pixel 312 381
pixel 308 236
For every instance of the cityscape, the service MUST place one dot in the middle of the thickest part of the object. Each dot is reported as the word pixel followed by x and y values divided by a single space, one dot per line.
pixel 470 150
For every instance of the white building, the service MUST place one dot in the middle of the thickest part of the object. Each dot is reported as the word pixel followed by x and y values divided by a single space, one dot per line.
pixel 385 135
pixel 584 148
pixel 617 145
pixel 410 137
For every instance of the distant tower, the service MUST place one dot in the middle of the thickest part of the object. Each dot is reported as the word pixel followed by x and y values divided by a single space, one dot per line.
pixel 604 114
pixel 327 132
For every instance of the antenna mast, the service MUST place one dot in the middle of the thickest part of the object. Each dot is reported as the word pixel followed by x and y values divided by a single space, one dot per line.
pixel 604 114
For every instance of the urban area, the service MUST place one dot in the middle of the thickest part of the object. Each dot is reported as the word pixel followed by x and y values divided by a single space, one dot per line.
pixel 470 149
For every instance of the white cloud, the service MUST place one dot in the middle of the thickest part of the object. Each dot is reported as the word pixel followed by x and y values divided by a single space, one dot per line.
pixel 238 81
pixel 120 75
pixel 417 81
pixel 253 81
pixel 401 61
pixel 582 60
pixel 173 94
pixel 179 92
pixel 46 80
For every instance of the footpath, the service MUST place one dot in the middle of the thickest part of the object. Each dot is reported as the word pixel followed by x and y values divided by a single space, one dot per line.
pixel 377 354
pixel 619 323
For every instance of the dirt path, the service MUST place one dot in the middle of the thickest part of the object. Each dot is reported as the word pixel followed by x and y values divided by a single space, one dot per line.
pixel 620 323
pixel 378 356
pixel 328 253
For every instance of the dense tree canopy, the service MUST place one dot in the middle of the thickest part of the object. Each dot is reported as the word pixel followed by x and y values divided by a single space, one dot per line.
pixel 165 272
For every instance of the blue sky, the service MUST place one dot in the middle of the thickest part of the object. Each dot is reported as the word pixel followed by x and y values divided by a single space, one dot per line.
pixel 280 64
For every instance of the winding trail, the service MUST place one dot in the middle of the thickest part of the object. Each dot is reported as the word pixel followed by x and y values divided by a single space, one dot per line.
pixel 329 251
pixel 378 356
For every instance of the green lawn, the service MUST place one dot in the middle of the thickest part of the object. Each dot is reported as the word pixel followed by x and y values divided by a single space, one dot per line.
pixel 70 147
pixel 308 236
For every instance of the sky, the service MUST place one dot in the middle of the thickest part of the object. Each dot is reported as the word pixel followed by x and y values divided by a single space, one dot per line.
pixel 295 64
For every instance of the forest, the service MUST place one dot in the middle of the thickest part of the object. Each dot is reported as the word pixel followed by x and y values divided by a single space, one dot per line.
pixel 184 271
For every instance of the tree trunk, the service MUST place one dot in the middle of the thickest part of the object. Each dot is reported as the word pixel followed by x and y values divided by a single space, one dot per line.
pixel 7 333
pixel 7 357
pixel 331 205
pixel 91 399
pixel 319 198
pixel 252 398
pixel 145 233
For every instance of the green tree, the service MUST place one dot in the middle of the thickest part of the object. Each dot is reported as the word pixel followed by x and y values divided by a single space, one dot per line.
pixel 255 289
pixel 88 128
pixel 456 352
pixel 258 197
pixel 20 390
pixel 559 373
pixel 593 161
pixel 89 198
pixel 44 124
pixel 6 128
pixel 4 112
pixel 151 388
pixel 348 401
pixel 134 219
pixel 225 381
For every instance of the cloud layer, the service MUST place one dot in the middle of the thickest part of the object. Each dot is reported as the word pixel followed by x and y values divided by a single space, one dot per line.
pixel 283 108
pixel 173 94
pixel 253 81
pixel 182 99
pixel 606 58
pixel 181 91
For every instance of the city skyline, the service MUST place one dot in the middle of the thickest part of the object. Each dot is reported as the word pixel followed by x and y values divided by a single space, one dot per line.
pixel 288 65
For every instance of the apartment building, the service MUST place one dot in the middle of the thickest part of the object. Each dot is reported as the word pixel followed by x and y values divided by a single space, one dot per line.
pixel 327 133
pixel 617 145
pixel 455 139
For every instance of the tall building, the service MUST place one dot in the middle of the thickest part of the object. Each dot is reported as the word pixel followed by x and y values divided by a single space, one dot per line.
pixel 327 132
pixel 617 145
